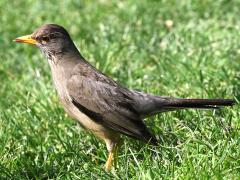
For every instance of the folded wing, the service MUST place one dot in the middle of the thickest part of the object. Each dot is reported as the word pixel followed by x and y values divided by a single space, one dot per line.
pixel 109 104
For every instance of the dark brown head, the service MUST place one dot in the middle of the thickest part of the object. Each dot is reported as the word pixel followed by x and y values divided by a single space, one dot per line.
pixel 52 40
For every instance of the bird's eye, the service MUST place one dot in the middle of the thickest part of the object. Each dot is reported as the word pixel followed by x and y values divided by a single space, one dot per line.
pixel 45 38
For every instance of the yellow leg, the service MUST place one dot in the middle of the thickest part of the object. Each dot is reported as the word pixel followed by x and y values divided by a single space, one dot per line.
pixel 108 164
pixel 113 148
pixel 111 157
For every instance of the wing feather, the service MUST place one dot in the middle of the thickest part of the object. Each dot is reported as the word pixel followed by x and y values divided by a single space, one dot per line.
pixel 108 104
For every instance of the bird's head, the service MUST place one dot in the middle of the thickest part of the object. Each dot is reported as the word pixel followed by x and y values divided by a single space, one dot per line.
pixel 52 40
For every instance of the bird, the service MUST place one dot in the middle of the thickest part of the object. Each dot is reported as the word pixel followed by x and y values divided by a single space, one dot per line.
pixel 101 105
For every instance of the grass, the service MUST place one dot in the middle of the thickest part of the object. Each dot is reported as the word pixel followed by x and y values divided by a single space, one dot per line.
pixel 199 56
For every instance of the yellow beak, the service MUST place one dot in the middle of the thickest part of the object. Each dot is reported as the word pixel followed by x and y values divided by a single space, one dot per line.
pixel 26 39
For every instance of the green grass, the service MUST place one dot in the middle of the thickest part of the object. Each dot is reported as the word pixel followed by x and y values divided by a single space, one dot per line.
pixel 128 40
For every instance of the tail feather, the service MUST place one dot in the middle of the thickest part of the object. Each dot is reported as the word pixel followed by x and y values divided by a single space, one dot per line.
pixel 148 105
pixel 200 103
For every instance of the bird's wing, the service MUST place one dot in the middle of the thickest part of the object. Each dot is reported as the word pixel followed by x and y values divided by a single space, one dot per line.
pixel 107 103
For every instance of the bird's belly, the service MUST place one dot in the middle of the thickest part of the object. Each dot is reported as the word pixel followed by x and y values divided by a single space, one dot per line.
pixel 89 124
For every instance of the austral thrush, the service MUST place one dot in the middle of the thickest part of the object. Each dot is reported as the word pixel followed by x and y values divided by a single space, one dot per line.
pixel 97 102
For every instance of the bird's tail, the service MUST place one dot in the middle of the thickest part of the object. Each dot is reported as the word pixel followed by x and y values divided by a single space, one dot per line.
pixel 148 105
pixel 199 103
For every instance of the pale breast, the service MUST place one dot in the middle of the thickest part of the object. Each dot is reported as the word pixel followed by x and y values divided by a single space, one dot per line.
pixel 60 83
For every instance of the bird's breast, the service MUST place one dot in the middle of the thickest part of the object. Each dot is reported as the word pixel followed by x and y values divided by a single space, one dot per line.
pixel 60 81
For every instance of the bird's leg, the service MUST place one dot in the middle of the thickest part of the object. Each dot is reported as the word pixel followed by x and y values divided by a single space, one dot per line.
pixel 108 164
pixel 112 157
pixel 113 146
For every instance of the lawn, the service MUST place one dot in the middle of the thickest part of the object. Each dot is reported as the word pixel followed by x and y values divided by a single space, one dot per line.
pixel 169 47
